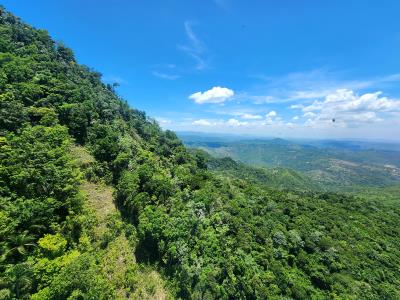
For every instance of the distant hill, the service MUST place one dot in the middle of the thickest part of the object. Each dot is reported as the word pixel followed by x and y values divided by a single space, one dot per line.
pixel 277 178
pixel 334 164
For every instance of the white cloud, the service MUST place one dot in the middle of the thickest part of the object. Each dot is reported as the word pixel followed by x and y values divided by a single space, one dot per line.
pixel 316 105
pixel 271 114
pixel 215 95
pixel 245 113
pixel 313 84
pixel 309 123
pixel 367 117
pixel 296 106
pixel 346 100
pixel 163 120
pixel 202 122
pixel 308 94
pixel 270 118
pixel 259 99
pixel 196 43
pixel 164 123
pixel 309 114
pixel 219 123
pixel 295 118
pixel 235 123
pixel 195 49
pixel 349 108
pixel 250 116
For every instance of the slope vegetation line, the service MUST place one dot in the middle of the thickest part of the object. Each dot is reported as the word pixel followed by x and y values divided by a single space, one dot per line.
pixel 98 195
pixel 119 258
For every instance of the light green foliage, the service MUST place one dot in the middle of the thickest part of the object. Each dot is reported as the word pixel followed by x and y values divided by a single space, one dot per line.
pixel 81 276
pixel 53 244
pixel 118 265
pixel 45 269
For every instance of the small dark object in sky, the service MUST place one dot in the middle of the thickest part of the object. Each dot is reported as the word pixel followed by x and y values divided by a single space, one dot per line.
pixel 333 120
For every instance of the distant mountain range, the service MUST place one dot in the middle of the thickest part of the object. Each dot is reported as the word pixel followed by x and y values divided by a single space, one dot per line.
pixel 328 163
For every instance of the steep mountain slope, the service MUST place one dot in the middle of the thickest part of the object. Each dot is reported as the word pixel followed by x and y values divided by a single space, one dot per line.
pixel 179 231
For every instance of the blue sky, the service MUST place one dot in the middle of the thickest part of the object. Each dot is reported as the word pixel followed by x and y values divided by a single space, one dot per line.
pixel 273 68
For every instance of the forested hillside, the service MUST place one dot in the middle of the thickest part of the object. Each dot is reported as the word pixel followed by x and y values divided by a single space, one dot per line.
pixel 97 202
pixel 276 178
pixel 334 165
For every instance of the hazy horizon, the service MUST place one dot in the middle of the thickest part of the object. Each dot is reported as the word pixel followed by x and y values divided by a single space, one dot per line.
pixel 268 137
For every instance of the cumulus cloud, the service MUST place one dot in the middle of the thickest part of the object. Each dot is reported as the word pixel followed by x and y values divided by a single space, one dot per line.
pixel 368 116
pixel 203 122
pixel 215 95
pixel 314 84
pixel 346 100
pixel 220 123
pixel 235 123
pixel 309 114
pixel 347 107
pixel 296 106
pixel 244 113
pixel 270 118
pixel 250 116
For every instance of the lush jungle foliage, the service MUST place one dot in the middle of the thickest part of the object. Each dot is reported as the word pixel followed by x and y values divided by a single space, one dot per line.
pixel 211 236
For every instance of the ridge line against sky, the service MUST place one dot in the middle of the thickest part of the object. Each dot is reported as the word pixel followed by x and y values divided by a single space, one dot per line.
pixel 288 69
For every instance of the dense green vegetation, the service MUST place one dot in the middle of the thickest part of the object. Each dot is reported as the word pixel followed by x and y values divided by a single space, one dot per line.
pixel 180 230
